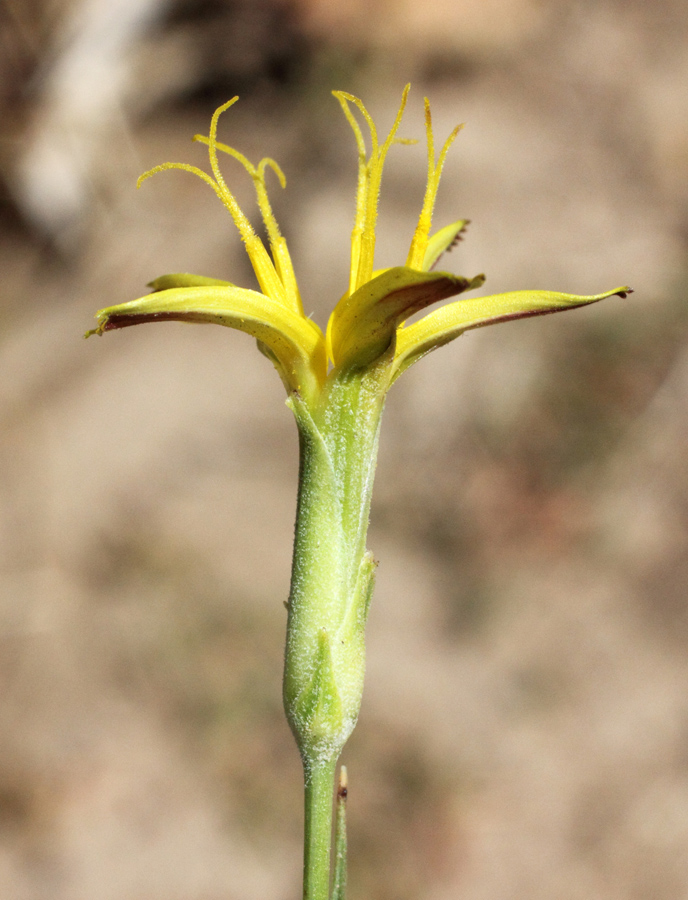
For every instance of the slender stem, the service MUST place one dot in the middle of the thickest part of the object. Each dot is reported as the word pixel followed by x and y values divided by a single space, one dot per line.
pixel 339 881
pixel 319 790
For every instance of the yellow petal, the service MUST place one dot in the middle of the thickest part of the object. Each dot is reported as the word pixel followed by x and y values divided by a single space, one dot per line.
pixel 296 344
pixel 363 324
pixel 445 324
pixel 441 241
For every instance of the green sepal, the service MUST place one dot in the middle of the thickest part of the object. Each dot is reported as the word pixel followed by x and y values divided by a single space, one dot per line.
pixel 319 706
pixel 310 432
pixel 354 623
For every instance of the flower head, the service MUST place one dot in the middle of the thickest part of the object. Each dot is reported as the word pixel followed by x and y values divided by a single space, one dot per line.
pixel 369 321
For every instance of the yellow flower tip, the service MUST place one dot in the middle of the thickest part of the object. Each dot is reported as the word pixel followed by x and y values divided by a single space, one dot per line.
pixel 147 174
pixel 276 168
pixel 223 108
pixel 212 138
pixel 163 167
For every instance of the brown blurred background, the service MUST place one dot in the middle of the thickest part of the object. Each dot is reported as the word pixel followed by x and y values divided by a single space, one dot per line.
pixel 524 733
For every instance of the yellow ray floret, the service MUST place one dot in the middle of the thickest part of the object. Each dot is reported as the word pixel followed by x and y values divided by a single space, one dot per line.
pixel 444 324
pixel 295 343
pixel 363 324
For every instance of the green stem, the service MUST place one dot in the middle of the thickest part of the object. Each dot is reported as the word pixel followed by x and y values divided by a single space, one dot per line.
pixel 339 880
pixel 319 784
pixel 331 588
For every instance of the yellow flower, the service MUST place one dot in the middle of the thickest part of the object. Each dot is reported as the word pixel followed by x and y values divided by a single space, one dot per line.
pixel 369 319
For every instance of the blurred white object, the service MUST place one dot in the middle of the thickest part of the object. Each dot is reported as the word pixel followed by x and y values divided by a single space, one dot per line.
pixel 80 107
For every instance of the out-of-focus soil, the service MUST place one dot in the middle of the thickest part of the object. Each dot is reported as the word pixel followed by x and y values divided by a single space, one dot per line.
pixel 524 732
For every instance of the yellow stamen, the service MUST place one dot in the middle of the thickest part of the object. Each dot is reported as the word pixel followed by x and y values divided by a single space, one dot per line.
pixel 278 245
pixel 186 168
pixel 369 179
pixel 242 223
pixel 361 187
pixel 419 243
pixel 377 161
pixel 268 279
pixel 280 253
